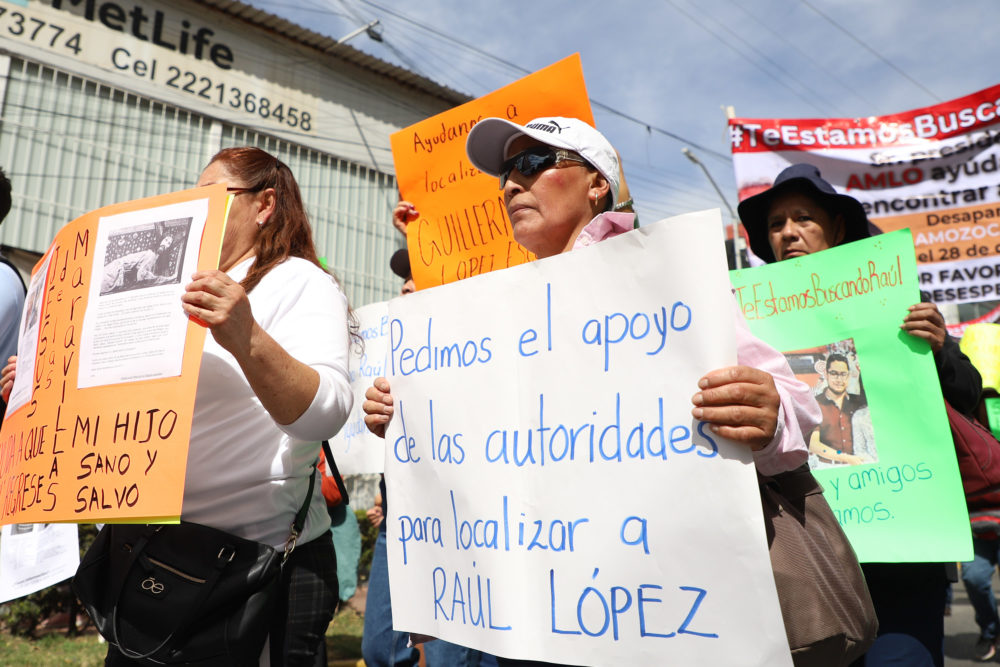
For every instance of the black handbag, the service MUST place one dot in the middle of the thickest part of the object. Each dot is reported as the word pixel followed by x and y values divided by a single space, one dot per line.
pixel 184 594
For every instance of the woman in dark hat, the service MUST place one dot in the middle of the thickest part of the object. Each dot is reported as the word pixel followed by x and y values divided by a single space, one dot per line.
pixel 824 218
pixel 802 214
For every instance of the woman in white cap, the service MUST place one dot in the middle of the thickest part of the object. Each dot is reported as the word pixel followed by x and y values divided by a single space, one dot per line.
pixel 560 179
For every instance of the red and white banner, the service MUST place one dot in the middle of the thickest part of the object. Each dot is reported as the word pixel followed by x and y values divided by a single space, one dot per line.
pixel 935 170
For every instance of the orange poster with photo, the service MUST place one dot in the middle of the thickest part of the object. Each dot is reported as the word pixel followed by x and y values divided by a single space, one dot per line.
pixel 99 418
pixel 462 229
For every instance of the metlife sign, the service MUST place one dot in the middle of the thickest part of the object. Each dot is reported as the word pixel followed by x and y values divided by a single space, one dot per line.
pixel 190 56
pixel 153 28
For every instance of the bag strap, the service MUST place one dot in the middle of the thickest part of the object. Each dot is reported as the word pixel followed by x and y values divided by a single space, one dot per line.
pixel 331 465
pixel 300 517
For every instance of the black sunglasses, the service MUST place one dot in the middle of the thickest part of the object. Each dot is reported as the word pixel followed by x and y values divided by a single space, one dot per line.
pixel 535 159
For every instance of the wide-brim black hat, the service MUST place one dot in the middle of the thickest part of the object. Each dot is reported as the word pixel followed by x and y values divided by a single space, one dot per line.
pixel 400 263
pixel 803 178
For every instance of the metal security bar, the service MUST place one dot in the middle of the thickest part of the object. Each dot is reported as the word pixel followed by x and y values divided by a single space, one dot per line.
pixel 70 145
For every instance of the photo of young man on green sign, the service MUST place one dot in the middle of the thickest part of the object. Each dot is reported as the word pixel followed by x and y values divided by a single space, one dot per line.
pixel 845 436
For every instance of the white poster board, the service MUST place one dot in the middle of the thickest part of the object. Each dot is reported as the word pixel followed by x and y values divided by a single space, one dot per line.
pixel 34 556
pixel 551 496
pixel 355 449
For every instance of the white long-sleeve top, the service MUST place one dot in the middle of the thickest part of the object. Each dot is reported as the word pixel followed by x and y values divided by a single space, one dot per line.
pixel 246 474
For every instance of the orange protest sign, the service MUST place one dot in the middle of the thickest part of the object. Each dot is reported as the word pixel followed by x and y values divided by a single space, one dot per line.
pixel 463 229
pixel 99 419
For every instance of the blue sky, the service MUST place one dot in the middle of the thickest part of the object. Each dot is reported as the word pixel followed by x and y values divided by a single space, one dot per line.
pixel 672 64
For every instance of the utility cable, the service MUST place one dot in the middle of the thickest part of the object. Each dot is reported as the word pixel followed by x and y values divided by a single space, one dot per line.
pixel 830 72
pixel 751 61
pixel 773 63
pixel 523 71
pixel 872 51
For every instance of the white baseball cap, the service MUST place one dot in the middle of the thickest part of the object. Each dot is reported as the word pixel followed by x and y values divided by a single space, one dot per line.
pixel 489 138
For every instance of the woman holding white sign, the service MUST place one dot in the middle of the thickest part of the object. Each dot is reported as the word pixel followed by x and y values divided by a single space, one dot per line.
pixel 560 179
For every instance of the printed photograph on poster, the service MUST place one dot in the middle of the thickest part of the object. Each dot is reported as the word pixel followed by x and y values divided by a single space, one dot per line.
pixel 32 306
pixel 845 436
pixel 27 343
pixel 134 326
pixel 145 256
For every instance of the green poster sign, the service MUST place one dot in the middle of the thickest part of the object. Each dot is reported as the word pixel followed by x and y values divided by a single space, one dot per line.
pixel 993 414
pixel 884 452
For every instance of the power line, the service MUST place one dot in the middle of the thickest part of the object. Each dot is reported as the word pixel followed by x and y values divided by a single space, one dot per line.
pixel 777 65
pixel 396 52
pixel 659 130
pixel 512 69
pixel 300 8
pixel 830 72
pixel 437 60
pixel 465 45
pixel 33 115
pixel 751 61
pixel 523 71
pixel 872 51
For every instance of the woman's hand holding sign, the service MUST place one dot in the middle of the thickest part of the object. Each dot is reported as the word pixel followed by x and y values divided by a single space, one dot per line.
pixel 284 385
pixel 7 378
pixel 741 404
pixel 404 214
pixel 925 321
pixel 220 303
pixel 378 406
